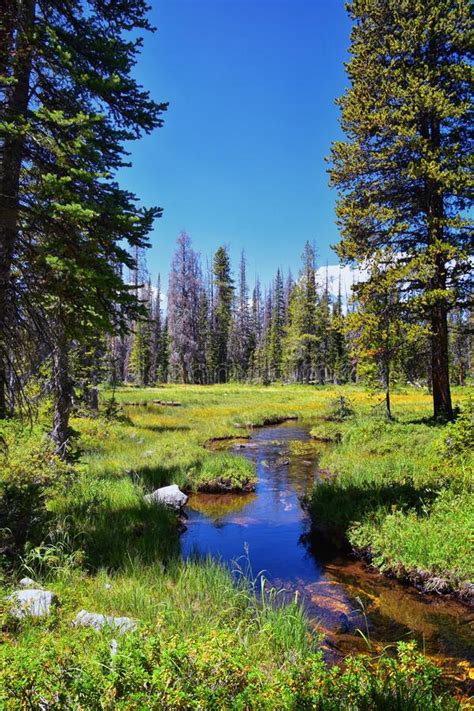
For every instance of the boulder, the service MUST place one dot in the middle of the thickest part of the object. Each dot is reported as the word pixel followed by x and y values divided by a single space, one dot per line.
pixel 33 602
pixel 169 495
pixel 98 622
pixel 27 583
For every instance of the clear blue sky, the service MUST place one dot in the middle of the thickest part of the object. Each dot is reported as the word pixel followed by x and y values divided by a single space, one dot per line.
pixel 240 160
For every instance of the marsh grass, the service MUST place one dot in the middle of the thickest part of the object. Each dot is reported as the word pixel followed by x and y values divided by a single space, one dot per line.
pixel 207 638
pixel 403 495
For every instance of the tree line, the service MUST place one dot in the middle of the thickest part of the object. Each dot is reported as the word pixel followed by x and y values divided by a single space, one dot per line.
pixel 70 234
pixel 218 328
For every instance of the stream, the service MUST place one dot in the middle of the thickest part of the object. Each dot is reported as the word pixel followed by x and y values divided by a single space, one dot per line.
pixel 270 531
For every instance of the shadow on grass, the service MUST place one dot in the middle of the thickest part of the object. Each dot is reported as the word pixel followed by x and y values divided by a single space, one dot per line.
pixel 113 538
pixel 156 475
pixel 166 428
pixel 428 421
pixel 334 508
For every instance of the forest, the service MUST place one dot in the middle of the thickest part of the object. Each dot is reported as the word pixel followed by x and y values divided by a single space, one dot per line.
pixel 220 490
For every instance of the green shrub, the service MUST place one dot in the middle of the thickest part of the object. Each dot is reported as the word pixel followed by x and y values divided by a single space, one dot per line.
pixel 457 440
pixel 211 671
pixel 31 476
pixel 411 541
pixel 340 409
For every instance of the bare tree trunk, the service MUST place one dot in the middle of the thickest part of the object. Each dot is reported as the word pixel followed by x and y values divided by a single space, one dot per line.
pixel 19 17
pixel 388 410
pixel 62 389
pixel 442 406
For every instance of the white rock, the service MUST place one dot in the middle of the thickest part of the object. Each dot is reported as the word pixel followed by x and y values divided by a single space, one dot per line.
pixel 27 583
pixel 169 495
pixel 34 602
pixel 98 622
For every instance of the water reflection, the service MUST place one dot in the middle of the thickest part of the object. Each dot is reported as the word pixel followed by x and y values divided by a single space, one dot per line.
pixel 340 594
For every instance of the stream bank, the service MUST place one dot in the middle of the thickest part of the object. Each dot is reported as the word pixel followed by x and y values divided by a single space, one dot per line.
pixel 268 533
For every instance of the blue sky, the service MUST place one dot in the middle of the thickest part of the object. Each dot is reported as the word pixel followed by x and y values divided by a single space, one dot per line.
pixel 240 160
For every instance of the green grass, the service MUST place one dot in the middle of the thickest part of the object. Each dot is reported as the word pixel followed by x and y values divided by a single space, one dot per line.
pixel 204 641
pixel 402 493
pixel 431 547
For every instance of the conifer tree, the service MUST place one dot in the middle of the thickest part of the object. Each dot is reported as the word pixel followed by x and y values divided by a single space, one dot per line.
pixel 140 362
pixel 240 338
pixel 183 308
pixel 276 326
pixel 222 313
pixel 68 103
pixel 255 330
pixel 403 172
pixel 157 336
pixel 323 329
pixel 338 353
pixel 300 349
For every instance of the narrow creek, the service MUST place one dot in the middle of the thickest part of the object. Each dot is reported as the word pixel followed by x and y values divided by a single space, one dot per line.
pixel 270 530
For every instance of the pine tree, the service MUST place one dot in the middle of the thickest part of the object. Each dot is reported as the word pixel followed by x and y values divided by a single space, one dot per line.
pixel 378 329
pixel 403 172
pixel 240 342
pixel 300 349
pixel 204 337
pixel 338 358
pixel 255 330
pixel 323 329
pixel 275 336
pixel 157 344
pixel 69 102
pixel 184 291
pixel 140 362
pixel 222 314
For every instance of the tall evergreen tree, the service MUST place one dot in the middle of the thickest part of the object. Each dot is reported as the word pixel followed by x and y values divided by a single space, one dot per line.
pixel 222 313
pixel 68 103
pixel 157 344
pixel 323 330
pixel 300 352
pixel 140 362
pixel 256 326
pixel 338 352
pixel 276 326
pixel 403 173
pixel 183 308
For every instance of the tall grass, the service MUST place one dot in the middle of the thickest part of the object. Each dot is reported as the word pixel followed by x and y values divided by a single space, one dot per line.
pixel 402 492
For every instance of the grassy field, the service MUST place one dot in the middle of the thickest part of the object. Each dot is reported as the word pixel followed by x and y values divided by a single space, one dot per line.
pixel 84 531
pixel 401 492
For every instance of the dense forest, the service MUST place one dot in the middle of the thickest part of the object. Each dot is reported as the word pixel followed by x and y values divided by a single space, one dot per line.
pixel 218 328
pixel 97 353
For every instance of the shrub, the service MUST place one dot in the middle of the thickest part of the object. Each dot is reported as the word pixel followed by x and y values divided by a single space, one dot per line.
pixel 31 476
pixel 458 437
pixel 340 409
pixel 212 671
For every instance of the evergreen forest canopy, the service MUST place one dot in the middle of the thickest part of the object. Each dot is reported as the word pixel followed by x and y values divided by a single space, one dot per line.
pixel 70 317
pixel 218 328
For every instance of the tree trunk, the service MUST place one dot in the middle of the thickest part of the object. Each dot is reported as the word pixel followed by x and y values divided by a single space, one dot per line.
pixel 442 406
pixel 62 388
pixel 388 410
pixel 11 154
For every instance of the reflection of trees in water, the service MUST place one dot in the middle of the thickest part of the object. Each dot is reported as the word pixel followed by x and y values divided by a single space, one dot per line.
pixel 216 506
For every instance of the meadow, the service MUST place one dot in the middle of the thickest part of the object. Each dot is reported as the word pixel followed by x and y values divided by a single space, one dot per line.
pixel 83 530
